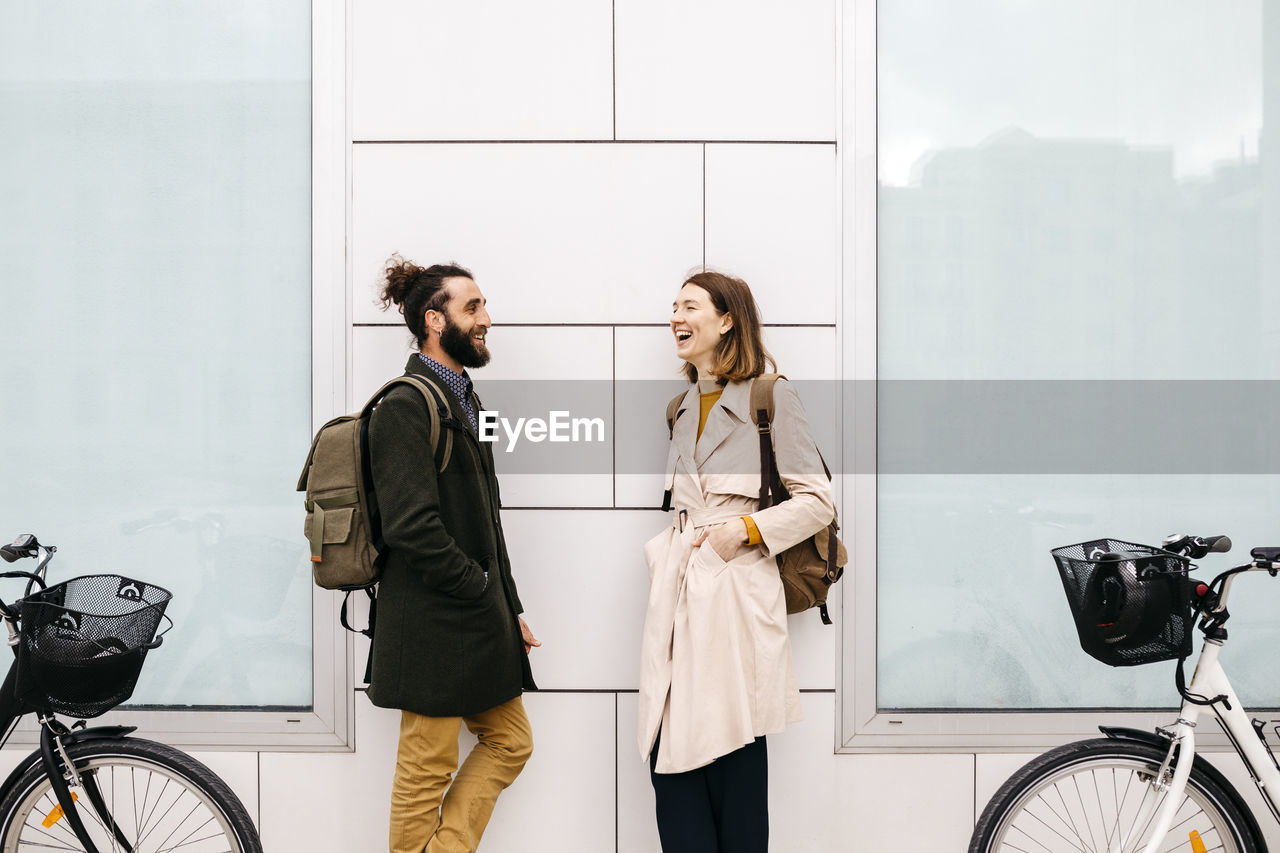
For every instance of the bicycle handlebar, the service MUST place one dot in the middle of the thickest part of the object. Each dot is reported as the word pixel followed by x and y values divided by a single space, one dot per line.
pixel 25 545
pixel 1196 547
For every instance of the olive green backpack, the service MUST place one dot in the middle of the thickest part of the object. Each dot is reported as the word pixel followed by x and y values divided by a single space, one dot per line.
pixel 342 523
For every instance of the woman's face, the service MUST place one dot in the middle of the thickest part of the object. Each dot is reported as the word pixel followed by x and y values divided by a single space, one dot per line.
pixel 697 327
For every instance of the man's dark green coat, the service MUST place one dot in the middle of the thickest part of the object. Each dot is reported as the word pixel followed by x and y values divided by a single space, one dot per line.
pixel 447 642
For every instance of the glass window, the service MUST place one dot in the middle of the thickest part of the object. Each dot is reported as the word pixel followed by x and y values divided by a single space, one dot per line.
pixel 155 364
pixel 1078 292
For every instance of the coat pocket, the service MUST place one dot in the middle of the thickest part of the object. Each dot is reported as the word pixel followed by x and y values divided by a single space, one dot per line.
pixel 706 559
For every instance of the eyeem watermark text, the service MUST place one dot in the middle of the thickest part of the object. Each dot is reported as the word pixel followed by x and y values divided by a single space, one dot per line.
pixel 558 427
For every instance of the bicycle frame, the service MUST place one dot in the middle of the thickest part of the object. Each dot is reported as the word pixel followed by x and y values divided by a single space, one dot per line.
pixel 1209 680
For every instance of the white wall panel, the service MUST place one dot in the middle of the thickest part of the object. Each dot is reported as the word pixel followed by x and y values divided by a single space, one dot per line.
pixel 910 803
pixel 806 355
pixel 584 586
pixel 649 352
pixel 553 233
pixel 484 69
pixel 637 829
pixel 564 799
pixel 574 366
pixel 813 645
pixel 555 353
pixel 332 802
pixel 648 375
pixel 804 791
pixel 729 70
pixel 771 220
pixel 377 354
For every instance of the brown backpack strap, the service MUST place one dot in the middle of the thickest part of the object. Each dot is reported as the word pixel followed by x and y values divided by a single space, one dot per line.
pixel 673 412
pixel 762 397
pixel 762 416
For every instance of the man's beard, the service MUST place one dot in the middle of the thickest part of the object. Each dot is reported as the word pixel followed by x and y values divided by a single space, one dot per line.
pixel 461 347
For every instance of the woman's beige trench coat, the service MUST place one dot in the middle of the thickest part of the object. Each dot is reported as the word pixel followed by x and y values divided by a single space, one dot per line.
pixel 715 659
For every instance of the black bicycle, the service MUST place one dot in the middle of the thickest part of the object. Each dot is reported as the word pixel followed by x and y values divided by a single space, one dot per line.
pixel 79 648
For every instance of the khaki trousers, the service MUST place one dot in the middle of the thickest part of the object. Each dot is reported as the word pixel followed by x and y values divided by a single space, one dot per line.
pixel 427 817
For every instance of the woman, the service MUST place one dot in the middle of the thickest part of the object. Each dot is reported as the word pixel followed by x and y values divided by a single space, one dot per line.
pixel 715 668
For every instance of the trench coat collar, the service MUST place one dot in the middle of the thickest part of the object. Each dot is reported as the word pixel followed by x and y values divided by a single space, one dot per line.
pixel 684 433
pixel 731 410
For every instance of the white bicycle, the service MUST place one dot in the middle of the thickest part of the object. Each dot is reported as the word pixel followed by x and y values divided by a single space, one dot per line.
pixel 1134 791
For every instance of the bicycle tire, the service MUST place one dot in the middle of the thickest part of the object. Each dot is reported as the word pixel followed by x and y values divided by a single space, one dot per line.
pixel 160 800
pixel 1084 796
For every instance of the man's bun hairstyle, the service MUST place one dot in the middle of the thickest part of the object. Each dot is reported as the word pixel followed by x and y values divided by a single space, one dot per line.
pixel 416 290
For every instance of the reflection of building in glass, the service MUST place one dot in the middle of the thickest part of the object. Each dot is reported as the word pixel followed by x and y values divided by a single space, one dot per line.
pixel 1031 257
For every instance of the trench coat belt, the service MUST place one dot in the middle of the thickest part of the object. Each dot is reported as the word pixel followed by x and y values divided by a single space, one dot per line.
pixel 686 517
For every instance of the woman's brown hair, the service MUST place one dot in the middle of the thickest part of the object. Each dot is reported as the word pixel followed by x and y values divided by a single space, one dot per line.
pixel 740 353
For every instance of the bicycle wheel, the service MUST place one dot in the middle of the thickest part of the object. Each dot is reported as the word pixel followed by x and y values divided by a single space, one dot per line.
pixel 138 795
pixel 1086 797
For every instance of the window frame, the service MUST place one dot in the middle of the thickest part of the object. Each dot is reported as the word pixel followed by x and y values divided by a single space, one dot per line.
pixel 860 726
pixel 329 726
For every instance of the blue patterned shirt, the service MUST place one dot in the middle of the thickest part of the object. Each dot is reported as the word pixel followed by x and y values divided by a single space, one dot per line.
pixel 459 383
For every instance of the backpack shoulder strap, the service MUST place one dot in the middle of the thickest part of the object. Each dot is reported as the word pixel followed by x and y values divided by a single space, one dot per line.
pixel 762 399
pixel 673 412
pixel 437 415
pixel 437 412
pixel 762 416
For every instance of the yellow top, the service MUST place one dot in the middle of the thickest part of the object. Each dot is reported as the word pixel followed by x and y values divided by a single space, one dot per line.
pixel 708 402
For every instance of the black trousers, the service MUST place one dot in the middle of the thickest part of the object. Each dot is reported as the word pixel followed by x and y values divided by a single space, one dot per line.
pixel 720 808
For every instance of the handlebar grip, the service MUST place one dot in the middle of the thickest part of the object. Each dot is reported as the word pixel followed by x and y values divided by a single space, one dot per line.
pixel 1218 544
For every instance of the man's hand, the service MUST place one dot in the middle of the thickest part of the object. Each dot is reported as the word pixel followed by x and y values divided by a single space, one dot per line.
pixel 727 539
pixel 529 640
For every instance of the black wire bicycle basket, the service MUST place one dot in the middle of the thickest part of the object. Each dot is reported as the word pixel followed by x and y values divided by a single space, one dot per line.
pixel 1132 603
pixel 83 642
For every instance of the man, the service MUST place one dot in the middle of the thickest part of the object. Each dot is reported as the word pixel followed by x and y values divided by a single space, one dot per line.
pixel 450 646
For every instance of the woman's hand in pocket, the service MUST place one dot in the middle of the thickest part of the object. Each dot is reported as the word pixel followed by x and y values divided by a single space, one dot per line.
pixel 726 539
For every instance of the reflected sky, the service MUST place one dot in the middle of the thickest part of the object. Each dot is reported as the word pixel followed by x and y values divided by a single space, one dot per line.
pixel 1164 73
